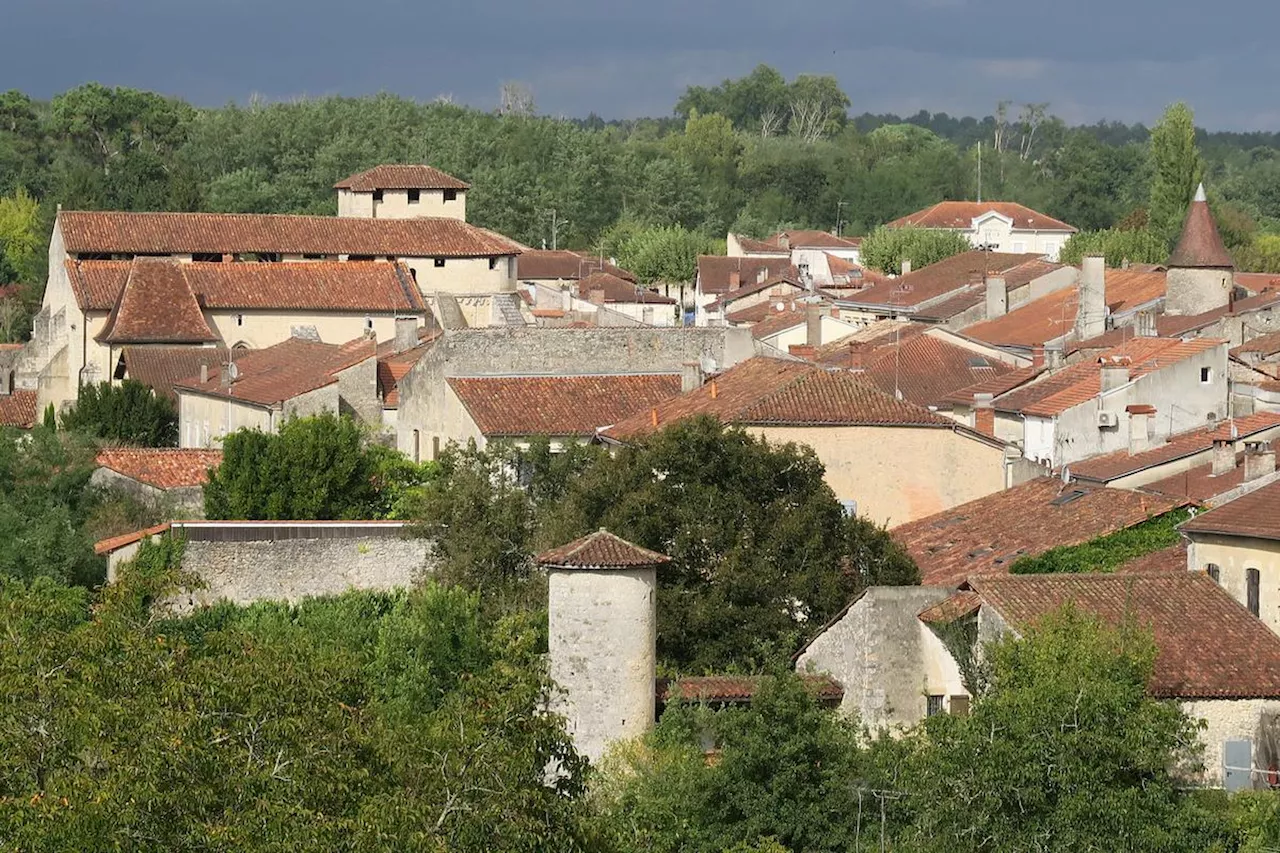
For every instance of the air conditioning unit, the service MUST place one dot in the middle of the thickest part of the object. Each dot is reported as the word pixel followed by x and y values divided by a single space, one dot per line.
pixel 1108 419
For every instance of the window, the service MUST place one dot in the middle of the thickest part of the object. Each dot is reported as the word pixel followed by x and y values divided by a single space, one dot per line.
pixel 850 508
pixel 368 322
pixel 414 196
pixel 933 705
pixel 493 263
pixel 960 705
pixel 413 271
pixel 314 257
pixel 377 195
pixel 1214 573
pixel 450 195
pixel 239 319
pixel 439 262
pixel 1252 584
pixel 1019 248
pixel 1206 375
pixel 359 257
pixel 207 257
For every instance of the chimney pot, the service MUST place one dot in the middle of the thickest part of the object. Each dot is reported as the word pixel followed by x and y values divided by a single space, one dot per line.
pixel 1224 456
pixel 984 415
pixel 653 416
pixel 714 390
pixel 1037 356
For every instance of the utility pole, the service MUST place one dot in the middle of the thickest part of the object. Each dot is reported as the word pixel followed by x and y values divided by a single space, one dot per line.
pixel 979 170
pixel 555 225
pixel 840 205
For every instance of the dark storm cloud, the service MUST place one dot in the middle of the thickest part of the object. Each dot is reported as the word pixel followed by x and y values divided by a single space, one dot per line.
pixel 1090 59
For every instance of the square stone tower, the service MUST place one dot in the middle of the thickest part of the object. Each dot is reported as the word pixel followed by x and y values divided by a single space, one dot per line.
pixel 394 191
pixel 602 621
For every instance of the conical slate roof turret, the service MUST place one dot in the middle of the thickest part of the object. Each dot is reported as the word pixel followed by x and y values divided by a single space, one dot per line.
pixel 601 550
pixel 1200 244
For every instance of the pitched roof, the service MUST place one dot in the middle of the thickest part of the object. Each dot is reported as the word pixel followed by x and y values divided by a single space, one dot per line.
pixel 962 272
pixel 772 321
pixel 617 289
pixel 1180 324
pixel 766 391
pixel 115 543
pixel 715 271
pixel 1255 515
pixel 1071 386
pixel 302 286
pixel 18 409
pixel 1112 466
pixel 990 533
pixel 786 284
pixel 601 550
pixel 160 367
pixel 119 232
pixel 1263 345
pixel 926 369
pixel 1200 484
pixel 1054 314
pixel 960 214
pixel 1171 559
pixel 559 405
pixel 808 238
pixel 1200 244
pixel 161 467
pixel 156 306
pixel 394 365
pixel 267 377
pixel 401 177
pixel 716 689
pixel 562 264
pixel 1207 645
pixel 995 386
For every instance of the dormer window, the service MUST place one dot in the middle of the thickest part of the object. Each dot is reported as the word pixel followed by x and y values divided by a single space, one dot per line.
pixel 377 195
pixel 415 196
pixel 450 195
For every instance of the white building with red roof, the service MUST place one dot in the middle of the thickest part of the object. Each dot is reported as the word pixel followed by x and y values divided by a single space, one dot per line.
pixel 997 226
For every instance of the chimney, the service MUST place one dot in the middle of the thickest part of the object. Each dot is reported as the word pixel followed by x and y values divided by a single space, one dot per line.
pixel 204 374
pixel 714 390
pixel 690 376
pixel 906 266
pixel 735 280
pixel 856 359
pixel 997 297
pixel 406 333
pixel 1037 356
pixel 1140 428
pixel 1115 372
pixel 984 415
pixel 1259 460
pixel 804 351
pixel 1224 456
pixel 596 297
pixel 813 325
pixel 761 275
pixel 6 383
pixel 224 375
pixel 646 315
pixel 1091 309
pixel 1144 325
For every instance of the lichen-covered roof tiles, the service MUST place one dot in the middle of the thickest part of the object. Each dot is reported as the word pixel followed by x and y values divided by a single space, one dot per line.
pixel 601 550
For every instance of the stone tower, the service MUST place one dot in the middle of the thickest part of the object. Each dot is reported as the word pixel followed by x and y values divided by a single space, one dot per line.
pixel 1201 273
pixel 602 621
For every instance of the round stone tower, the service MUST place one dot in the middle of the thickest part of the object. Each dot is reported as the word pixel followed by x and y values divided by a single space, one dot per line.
pixel 602 621
pixel 1201 273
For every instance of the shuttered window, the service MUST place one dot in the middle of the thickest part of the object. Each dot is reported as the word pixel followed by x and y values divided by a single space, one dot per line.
pixel 1253 584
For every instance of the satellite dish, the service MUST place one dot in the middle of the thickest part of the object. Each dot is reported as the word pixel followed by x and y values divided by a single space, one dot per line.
pixel 707 364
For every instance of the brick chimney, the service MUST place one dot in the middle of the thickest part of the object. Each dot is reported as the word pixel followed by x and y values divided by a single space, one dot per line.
pixel 1259 460
pixel 997 297
pixel 735 280
pixel 1224 456
pixel 1114 372
pixel 984 415
pixel 856 361
pixel 1037 356
pixel 1091 309
pixel 804 351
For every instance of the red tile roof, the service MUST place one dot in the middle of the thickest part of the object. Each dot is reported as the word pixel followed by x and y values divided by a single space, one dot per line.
pixel 300 286
pixel 1166 560
pixel 1207 645
pixel 1112 466
pixel 763 391
pixel 394 366
pixel 115 543
pixel 962 272
pixel 960 214
pixel 160 367
pixel 1255 515
pixel 990 533
pixel 785 286
pixel 18 409
pixel 1200 484
pixel 268 377
pixel 539 264
pixel 156 306
pixel 619 290
pixel 182 233
pixel 812 239
pixel 995 386
pixel 401 177
pixel 559 405
pixel 771 321
pixel 961 604
pixel 1263 345
pixel 1200 244
pixel 927 370
pixel 715 689
pixel 601 550
pixel 1172 325
pixel 1054 314
pixel 715 271
pixel 163 468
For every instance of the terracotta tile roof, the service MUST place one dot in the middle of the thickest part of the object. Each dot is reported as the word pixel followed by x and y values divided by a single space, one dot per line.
pixel 716 689
pixel 181 233
pixel 18 409
pixel 769 244
pixel 1081 382
pixel 1054 314
pixel 715 271
pixel 786 286
pixel 619 290
pixel 1200 484
pixel 301 286
pixel 764 391
pixel 1167 560
pixel 962 272
pixel 559 405
pixel 115 543
pixel 995 386
pixel 1200 244
pixel 156 306
pixel 960 214
pixel 1264 346
pixel 1112 466
pixel 160 367
pixel 401 177
pixel 990 533
pixel 601 550
pixel 394 366
pixel 162 467
pixel 962 603
pixel 772 322
pixel 1173 325
pixel 812 239
pixel 927 370
pixel 1257 282
pixel 1207 644
pixel 1255 515
pixel 870 336
pixel 540 264
pixel 267 377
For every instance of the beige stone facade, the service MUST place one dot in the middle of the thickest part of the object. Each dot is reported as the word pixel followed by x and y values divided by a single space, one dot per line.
pixel 403 204
pixel 1234 556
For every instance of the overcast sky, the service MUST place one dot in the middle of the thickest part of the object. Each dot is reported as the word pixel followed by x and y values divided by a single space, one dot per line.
pixel 1091 59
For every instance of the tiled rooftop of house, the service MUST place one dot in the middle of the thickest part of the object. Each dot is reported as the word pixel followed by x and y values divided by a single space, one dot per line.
pixel 401 177
pixel 735 689
pixel 1200 484
pixel 616 289
pixel 1200 244
pixel 156 306
pixel 995 385
pixel 956 273
pixel 771 321
pixel 161 467
pixel 1262 346
pixel 1014 277
pixel 717 273
pixel 18 409
pixel 1255 515
pixel 559 405
pixel 764 391
pixel 1112 466
pixel 1200 631
pixel 267 377
pixel 960 214
pixel 309 286
pixel 926 369
pixel 600 550
pixel 394 365
pixel 1164 561
pixel 118 232
pixel 159 367
pixel 540 264
pixel 990 533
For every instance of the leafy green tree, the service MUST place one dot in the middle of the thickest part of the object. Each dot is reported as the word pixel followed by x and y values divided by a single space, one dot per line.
pixel 663 254
pixel 21 236
pixel 1117 246
pixel 129 413
pixel 1177 169
pixel 886 248
pixel 1260 255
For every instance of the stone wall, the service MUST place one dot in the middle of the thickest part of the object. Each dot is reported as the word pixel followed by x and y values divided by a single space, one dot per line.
pixel 1240 719
pixel 184 502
